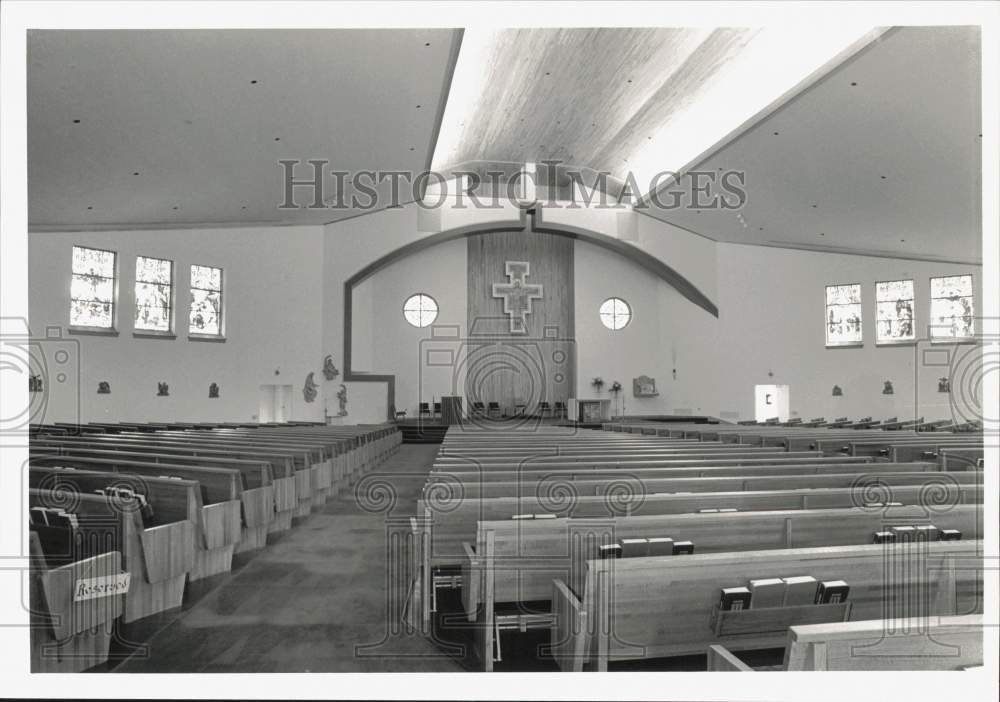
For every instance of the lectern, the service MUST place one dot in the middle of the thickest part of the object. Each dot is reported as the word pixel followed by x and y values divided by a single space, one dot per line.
pixel 451 409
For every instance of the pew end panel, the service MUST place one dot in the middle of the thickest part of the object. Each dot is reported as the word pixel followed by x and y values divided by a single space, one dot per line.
pixel 69 636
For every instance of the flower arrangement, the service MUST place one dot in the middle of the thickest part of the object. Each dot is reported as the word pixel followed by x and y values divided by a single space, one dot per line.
pixel 616 387
pixel 598 383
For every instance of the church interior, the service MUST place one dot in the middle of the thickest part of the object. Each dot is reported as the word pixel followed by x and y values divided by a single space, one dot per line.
pixel 532 349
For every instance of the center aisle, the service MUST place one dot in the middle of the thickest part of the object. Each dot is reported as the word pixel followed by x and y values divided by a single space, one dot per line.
pixel 315 593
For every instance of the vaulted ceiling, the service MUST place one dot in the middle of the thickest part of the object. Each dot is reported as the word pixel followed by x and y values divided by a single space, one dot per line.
pixel 877 148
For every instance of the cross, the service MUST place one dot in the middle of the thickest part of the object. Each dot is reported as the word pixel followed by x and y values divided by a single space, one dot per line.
pixel 517 295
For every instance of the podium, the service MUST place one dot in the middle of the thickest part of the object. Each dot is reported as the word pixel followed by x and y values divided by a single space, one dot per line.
pixel 451 409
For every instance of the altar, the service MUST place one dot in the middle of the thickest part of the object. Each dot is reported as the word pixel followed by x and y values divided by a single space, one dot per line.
pixel 588 410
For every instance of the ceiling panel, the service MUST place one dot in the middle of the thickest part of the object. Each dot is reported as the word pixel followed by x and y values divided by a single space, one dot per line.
pixel 172 128
pixel 882 156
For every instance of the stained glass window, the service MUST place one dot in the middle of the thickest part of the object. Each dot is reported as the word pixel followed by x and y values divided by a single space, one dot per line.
pixel 92 288
pixel 420 310
pixel 154 278
pixel 206 301
pixel 894 311
pixel 843 315
pixel 952 307
pixel 615 313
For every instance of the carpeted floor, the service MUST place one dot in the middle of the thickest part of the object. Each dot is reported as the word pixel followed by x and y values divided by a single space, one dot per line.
pixel 325 596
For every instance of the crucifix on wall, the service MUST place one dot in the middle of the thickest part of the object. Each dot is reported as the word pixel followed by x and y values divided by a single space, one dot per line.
pixel 517 295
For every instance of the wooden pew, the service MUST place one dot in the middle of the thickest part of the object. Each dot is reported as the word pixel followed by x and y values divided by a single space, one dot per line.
pixel 443 526
pixel 936 643
pixel 68 636
pixel 158 556
pixel 517 560
pixel 656 607
pixel 255 483
pixel 576 484
pixel 213 507
pixel 286 486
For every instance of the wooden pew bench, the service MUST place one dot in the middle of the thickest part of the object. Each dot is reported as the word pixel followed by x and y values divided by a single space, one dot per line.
pixel 213 507
pixel 282 464
pixel 577 484
pixel 516 561
pixel 69 635
pixel 256 491
pixel 656 607
pixel 443 527
pixel 158 556
pixel 920 643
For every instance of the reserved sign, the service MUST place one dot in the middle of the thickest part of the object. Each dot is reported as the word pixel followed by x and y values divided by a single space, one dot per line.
pixel 103 586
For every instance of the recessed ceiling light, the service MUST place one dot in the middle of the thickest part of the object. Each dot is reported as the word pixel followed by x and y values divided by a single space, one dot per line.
pixel 277 138
pixel 882 177
pixel 253 82
pixel 427 44
pixel 548 73
pixel 822 234
pixel 902 239
pixel 853 83
pixel 814 205
pixel 629 80
pixel 760 229
pixel 176 207
pixel 76 121
pixel 135 172
pixel 90 207
pixel 775 134
pixel 244 207
pixel 418 107
pixel 412 149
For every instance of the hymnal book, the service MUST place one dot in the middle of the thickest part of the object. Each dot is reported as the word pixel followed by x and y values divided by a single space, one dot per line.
pixel 522 516
pixel 683 547
pixel 799 590
pixel 767 592
pixel 949 535
pixel 708 510
pixel 661 546
pixel 927 532
pixel 633 548
pixel 832 591
pixel 610 551
pixel 544 516
pixel 727 509
pixel 884 537
pixel 734 598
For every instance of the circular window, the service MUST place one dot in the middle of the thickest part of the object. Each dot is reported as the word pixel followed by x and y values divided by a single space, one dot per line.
pixel 615 313
pixel 420 310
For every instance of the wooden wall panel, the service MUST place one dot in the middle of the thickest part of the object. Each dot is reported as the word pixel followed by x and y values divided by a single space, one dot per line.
pixel 533 367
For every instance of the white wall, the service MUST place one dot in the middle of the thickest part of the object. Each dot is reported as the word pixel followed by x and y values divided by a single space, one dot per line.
pixel 771 304
pixel 272 297
pixel 284 307
pixel 400 348
pixel 666 332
